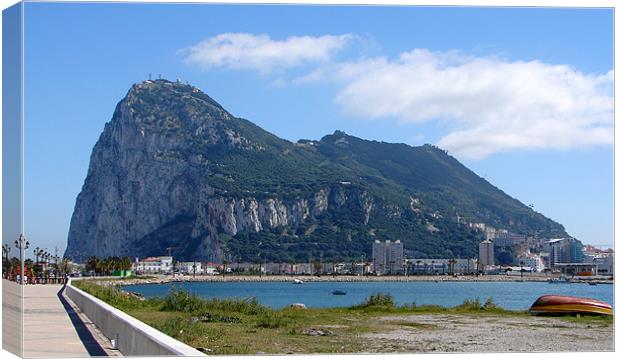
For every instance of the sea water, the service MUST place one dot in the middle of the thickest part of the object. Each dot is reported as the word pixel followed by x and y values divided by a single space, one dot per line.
pixel 509 295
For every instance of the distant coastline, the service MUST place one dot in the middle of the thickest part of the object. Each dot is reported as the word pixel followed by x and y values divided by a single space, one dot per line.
pixel 160 279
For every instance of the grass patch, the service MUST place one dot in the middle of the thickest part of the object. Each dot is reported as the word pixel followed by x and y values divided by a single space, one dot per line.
pixel 273 319
pixel 384 302
pixel 598 320
pixel 114 296
pixel 244 326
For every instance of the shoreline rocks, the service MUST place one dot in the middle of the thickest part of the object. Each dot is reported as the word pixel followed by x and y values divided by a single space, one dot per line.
pixel 281 278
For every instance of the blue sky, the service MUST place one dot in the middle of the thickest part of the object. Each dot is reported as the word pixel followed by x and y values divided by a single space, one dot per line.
pixel 521 96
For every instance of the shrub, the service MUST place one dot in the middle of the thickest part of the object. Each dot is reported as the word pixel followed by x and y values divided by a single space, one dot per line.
pixel 476 305
pixel 469 304
pixel 377 301
pixel 208 317
pixel 490 304
pixel 180 300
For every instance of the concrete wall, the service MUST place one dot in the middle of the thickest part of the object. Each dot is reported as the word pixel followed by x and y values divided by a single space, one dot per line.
pixel 134 337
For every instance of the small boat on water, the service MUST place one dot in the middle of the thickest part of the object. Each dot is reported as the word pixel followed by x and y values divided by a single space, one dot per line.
pixel 592 283
pixel 298 281
pixel 339 292
pixel 562 304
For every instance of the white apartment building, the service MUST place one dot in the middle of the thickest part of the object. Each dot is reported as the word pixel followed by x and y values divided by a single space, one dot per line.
pixel 532 261
pixel 442 266
pixel 387 257
pixel 153 265
pixel 188 267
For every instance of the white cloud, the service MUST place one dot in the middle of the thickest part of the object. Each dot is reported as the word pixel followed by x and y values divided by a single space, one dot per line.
pixel 489 104
pixel 261 53
pixel 485 104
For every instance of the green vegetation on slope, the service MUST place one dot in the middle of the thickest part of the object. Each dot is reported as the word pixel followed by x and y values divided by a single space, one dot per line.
pixel 416 192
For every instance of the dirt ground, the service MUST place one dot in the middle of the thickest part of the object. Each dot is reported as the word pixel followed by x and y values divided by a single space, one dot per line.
pixel 462 333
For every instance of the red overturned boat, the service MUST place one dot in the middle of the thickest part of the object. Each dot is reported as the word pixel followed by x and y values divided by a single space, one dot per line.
pixel 562 304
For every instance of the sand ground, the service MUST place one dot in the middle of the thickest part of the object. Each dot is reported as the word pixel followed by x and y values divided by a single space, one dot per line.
pixel 463 333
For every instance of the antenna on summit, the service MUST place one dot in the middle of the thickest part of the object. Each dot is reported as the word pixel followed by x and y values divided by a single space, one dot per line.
pixel 149 76
pixel 160 76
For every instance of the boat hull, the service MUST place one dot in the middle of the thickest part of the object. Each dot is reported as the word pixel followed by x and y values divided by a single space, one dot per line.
pixel 559 304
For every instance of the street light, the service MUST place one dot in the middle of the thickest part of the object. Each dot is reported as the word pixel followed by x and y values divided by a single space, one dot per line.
pixel 22 244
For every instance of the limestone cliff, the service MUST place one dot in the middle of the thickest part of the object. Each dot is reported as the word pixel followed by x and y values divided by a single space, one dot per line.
pixel 173 169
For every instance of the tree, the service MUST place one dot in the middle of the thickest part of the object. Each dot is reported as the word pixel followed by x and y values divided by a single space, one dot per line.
pixel 125 263
pixel 65 267
pixel 93 264
pixel 451 264
pixel 505 257
pixel 6 264
pixel 316 266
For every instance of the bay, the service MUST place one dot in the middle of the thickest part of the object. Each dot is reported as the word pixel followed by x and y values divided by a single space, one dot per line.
pixel 509 295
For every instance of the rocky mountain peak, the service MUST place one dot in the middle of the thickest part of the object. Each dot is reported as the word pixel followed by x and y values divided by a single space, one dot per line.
pixel 173 168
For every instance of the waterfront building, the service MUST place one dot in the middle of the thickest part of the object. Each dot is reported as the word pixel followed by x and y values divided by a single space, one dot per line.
pixel 211 269
pixel 605 265
pixel 532 261
pixel 244 267
pixel 188 267
pixel 576 269
pixel 154 265
pixel 565 250
pixel 387 257
pixel 545 258
pixel 442 266
pixel 486 255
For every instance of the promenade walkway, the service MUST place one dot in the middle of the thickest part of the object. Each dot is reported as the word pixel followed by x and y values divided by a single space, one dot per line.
pixel 11 317
pixel 52 328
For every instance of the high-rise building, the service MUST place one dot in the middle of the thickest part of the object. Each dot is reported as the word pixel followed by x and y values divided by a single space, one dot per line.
pixel 387 257
pixel 486 253
pixel 565 250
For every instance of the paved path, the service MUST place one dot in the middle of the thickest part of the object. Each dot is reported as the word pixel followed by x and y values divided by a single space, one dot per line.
pixel 52 328
pixel 11 317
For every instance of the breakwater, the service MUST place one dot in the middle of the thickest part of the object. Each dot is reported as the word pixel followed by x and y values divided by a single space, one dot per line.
pixel 160 279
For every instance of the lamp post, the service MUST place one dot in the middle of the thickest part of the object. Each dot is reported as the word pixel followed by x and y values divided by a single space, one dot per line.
pixel 46 257
pixel 37 253
pixel 22 244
